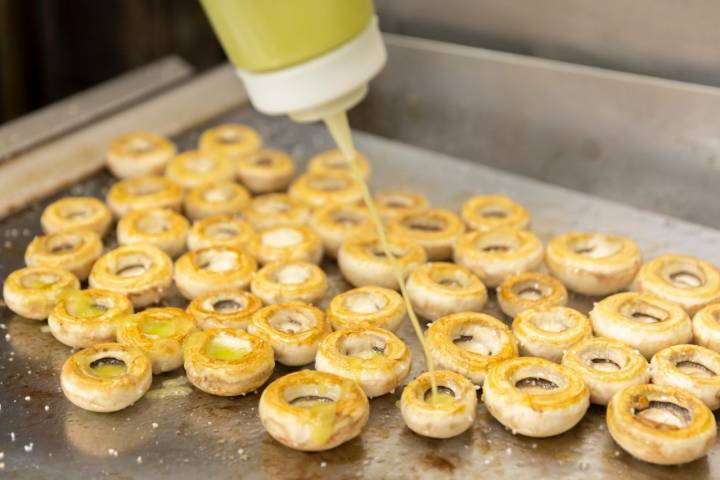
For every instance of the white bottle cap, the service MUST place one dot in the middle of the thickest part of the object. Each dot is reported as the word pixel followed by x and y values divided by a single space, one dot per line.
pixel 334 81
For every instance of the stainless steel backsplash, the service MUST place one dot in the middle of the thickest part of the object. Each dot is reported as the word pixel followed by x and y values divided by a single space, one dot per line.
pixel 666 38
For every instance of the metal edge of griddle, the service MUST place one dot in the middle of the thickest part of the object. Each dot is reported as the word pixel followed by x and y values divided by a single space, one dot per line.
pixel 51 166
pixel 69 114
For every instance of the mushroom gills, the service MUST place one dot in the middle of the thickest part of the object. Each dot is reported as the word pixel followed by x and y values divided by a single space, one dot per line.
pixel 75 214
pixel 694 369
pixel 472 344
pixel 426 225
pixel 365 303
pixel 605 365
pixel 664 415
pixel 291 322
pixel 227 305
pixel 450 283
pixel 224 233
pixel 444 396
pixel 365 348
pixel 535 385
pixel 379 253
pixel 493 213
pixel 643 317
pixel 530 293
pixel 685 279
pixel 132 270
pixel 62 248
pixel 309 401
pixel 346 221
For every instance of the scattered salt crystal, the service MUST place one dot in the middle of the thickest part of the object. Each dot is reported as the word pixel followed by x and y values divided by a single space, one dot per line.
pixel 154 425
pixel 7 337
pixel 2 465
pixel 2 455
pixel 28 448
pixel 27 398
pixel 240 451
pixel 12 436
pixel 508 451
pixel 323 464
pixel 138 459
pixel 487 461
pixel 113 452
pixel 47 408
pixel 533 446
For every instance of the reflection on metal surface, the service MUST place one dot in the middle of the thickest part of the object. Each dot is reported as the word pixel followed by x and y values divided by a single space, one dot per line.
pixel 665 38
pixel 99 435
pixel 198 435
pixel 644 141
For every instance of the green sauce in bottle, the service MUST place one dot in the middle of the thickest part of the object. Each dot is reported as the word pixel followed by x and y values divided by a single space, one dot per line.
pixel 265 35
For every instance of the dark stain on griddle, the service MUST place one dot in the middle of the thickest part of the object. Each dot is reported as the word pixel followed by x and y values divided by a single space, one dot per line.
pixel 438 462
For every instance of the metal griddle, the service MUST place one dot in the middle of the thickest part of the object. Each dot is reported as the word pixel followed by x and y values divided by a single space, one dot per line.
pixel 42 435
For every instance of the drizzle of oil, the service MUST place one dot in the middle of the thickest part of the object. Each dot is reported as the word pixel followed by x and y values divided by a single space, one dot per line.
pixel 39 285
pixel 108 367
pixel 339 128
pixel 81 305
pixel 174 387
pixel 441 399
pixel 158 328
pixel 219 351
pixel 109 371
pixel 324 424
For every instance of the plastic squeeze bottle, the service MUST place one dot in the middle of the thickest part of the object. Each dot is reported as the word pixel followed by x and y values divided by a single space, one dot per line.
pixel 308 59
pixel 311 60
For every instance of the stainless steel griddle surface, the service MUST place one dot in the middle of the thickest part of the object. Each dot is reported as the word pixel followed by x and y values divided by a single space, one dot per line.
pixel 42 435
